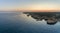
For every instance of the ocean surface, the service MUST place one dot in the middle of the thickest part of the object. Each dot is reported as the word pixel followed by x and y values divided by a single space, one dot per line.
pixel 20 22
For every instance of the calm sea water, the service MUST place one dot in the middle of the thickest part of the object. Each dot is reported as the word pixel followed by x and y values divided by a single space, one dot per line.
pixel 17 22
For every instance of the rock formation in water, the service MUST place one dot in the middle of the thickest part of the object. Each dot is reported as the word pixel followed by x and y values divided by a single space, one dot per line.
pixel 50 17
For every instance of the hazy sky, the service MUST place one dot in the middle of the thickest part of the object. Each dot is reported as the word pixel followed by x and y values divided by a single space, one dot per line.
pixel 29 4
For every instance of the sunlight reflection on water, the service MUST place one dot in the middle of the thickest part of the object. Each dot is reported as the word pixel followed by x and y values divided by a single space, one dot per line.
pixel 18 22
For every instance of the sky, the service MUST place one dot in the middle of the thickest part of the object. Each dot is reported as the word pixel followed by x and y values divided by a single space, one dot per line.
pixel 29 4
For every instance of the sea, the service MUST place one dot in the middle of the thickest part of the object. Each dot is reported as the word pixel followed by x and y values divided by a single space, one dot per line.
pixel 29 22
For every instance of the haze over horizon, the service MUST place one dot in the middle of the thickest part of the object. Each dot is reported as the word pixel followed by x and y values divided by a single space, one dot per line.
pixel 29 5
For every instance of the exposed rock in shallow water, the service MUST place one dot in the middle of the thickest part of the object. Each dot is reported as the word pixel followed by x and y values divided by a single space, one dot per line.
pixel 50 17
